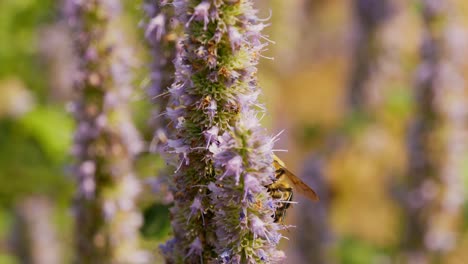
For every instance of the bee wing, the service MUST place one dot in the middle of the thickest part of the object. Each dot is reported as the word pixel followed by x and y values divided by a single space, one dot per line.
pixel 301 186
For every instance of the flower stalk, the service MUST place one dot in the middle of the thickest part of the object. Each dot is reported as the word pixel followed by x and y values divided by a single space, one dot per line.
pixel 222 212
pixel 162 32
pixel 35 238
pixel 437 140
pixel 370 17
pixel 106 141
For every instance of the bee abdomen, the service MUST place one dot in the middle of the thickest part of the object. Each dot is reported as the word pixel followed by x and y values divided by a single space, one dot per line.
pixel 283 195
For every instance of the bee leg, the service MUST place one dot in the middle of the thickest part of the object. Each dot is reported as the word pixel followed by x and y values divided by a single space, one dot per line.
pixel 288 195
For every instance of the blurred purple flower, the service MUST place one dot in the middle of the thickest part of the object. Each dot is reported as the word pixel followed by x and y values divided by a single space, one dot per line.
pixel 106 142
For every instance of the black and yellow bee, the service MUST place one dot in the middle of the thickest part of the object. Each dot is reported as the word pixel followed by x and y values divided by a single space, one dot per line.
pixel 281 189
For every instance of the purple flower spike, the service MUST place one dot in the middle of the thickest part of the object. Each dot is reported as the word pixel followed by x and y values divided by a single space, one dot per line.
pixel 106 142
pixel 222 211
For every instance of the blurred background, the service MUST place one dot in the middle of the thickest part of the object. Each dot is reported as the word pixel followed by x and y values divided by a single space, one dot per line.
pixel 371 95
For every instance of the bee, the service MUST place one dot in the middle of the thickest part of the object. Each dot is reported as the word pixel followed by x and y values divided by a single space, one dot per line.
pixel 282 191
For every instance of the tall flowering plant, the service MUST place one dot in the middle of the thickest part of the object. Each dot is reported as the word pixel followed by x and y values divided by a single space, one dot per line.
pixel 437 139
pixel 222 211
pixel 162 33
pixel 105 140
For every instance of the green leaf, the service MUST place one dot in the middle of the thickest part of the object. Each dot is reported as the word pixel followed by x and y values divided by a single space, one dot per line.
pixel 52 128
pixel 156 222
